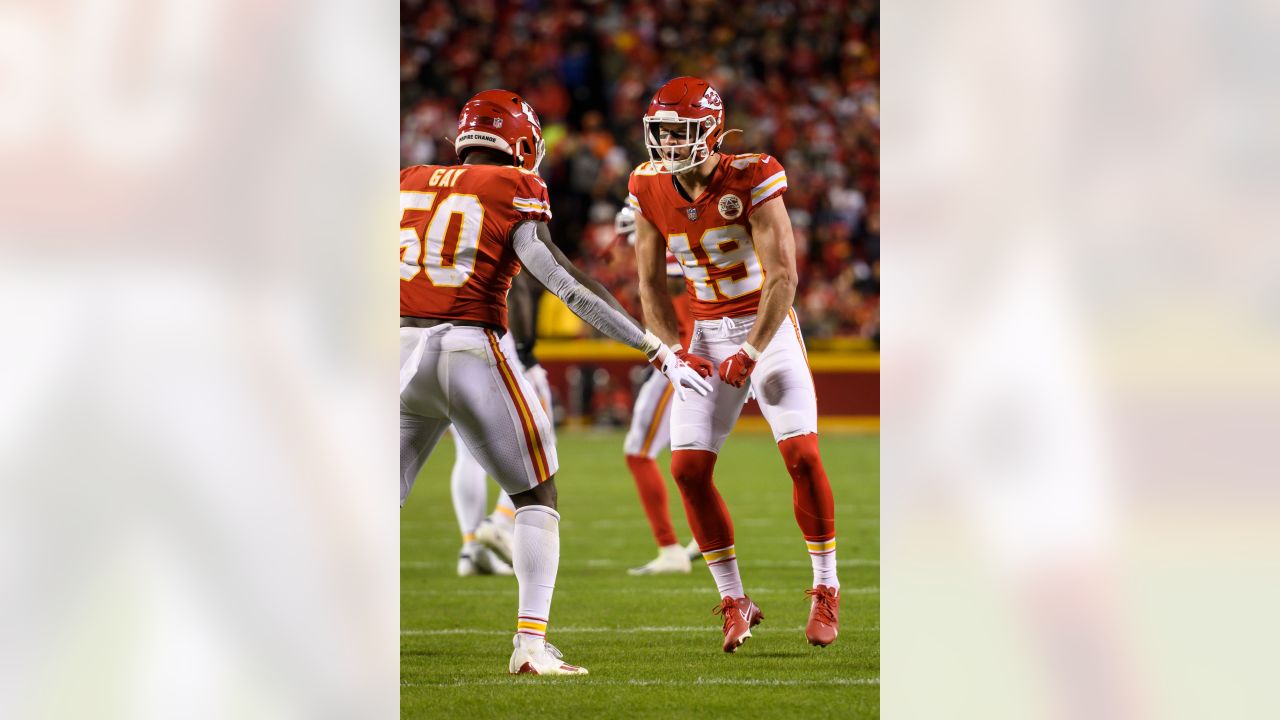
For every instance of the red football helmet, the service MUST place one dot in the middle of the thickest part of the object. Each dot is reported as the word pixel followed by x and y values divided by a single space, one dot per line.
pixel 697 106
pixel 501 120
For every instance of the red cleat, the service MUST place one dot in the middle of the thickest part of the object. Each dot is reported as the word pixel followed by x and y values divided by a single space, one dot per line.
pixel 739 617
pixel 824 616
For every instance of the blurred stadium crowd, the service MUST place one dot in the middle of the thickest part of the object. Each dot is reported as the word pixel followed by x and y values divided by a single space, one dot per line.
pixel 800 78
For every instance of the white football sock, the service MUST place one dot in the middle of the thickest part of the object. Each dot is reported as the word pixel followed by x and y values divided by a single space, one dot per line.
pixel 536 558
pixel 469 492
pixel 723 564
pixel 824 565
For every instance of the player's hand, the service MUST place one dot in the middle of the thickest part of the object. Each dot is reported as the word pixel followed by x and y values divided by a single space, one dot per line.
pixel 701 365
pixel 683 376
pixel 678 373
pixel 737 368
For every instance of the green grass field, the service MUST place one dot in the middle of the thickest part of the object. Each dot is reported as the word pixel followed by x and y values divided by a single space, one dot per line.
pixel 651 643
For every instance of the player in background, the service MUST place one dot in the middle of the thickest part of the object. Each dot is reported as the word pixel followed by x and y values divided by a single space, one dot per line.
pixel 465 232
pixel 723 217
pixel 650 431
pixel 486 541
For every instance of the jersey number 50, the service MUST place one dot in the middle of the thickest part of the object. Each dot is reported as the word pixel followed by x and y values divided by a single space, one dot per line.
pixel 420 253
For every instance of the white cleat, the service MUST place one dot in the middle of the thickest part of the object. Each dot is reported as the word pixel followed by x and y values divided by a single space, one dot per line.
pixel 488 563
pixel 497 539
pixel 535 656
pixel 693 551
pixel 671 559
pixel 466 565
pixel 479 560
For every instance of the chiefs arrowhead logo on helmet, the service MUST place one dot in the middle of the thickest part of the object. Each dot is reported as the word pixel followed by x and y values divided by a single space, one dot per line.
pixel 533 117
pixel 711 99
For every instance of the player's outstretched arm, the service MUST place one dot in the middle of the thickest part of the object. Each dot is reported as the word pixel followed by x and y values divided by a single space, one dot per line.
pixel 544 242
pixel 589 300
pixel 776 246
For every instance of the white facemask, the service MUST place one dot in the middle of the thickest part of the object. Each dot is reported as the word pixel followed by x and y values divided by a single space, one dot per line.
pixel 694 149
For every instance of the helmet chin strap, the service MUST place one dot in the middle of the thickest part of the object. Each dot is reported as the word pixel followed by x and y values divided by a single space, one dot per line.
pixel 710 152
pixel 518 153
pixel 724 135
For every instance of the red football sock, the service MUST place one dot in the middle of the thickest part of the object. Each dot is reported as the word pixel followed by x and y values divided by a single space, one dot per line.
pixel 653 495
pixel 708 516
pixel 811 497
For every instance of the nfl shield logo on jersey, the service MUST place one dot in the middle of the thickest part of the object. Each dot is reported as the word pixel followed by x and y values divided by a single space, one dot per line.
pixel 692 212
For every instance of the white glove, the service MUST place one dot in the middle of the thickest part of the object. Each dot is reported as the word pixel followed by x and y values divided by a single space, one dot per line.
pixel 679 374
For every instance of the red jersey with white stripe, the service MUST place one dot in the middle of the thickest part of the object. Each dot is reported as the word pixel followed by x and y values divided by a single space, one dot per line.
pixel 456 258
pixel 711 236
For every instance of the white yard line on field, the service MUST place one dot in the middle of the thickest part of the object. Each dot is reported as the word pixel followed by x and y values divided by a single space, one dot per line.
pixel 604 563
pixel 506 589
pixel 637 681
pixel 624 630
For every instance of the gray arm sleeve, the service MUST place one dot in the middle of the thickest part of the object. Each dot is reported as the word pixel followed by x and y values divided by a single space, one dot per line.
pixel 584 303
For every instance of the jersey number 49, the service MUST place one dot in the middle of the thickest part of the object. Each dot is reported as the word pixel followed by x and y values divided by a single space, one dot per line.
pixel 726 249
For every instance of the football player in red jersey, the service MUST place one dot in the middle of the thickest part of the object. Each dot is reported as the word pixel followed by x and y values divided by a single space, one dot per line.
pixel 465 231
pixel 723 217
